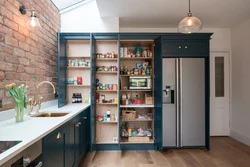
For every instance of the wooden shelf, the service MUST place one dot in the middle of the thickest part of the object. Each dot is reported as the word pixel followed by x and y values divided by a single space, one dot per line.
pixel 106 72
pixel 137 90
pixel 107 122
pixel 136 75
pixel 111 142
pixel 78 85
pixel 106 103
pixel 136 58
pixel 78 57
pixel 106 90
pixel 69 67
pixel 138 142
pixel 139 120
pixel 137 106
pixel 106 59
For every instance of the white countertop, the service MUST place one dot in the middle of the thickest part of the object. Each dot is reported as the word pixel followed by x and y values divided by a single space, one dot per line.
pixel 32 129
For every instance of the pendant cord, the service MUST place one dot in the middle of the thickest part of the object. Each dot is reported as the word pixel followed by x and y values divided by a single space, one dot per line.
pixel 189 7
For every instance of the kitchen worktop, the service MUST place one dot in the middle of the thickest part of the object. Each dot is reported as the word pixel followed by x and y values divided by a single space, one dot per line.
pixel 33 129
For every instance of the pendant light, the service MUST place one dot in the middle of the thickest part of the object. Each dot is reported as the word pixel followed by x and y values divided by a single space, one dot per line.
pixel 189 24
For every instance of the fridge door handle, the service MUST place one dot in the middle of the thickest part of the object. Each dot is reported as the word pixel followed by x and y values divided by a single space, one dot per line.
pixel 177 102
pixel 181 106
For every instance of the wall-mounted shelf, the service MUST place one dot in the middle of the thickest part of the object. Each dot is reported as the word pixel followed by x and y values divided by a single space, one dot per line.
pixel 106 103
pixel 69 67
pixel 137 106
pixel 78 85
pixel 106 72
pixel 111 142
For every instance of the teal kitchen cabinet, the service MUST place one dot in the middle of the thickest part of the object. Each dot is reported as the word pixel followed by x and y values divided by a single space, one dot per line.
pixel 55 148
pixel 65 146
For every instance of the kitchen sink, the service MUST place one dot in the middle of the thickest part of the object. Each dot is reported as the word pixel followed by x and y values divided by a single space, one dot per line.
pixel 51 114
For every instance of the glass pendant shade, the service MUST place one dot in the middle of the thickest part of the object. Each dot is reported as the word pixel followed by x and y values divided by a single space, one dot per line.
pixel 33 21
pixel 189 25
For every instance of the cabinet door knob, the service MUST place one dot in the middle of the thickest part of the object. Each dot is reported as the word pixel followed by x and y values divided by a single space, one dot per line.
pixel 58 135
pixel 179 47
pixel 186 47
pixel 78 124
pixel 85 118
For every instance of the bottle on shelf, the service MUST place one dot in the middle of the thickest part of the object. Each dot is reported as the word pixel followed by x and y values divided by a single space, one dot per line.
pixel 73 98
pixel 108 115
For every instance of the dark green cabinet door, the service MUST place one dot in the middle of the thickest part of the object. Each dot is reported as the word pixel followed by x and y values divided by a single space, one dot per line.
pixel 195 47
pixel 71 155
pixel 172 47
pixel 54 148
pixel 85 131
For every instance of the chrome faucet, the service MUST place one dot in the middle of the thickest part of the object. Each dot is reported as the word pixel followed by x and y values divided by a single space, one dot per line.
pixel 38 101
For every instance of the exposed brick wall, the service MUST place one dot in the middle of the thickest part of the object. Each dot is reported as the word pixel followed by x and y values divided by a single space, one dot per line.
pixel 28 55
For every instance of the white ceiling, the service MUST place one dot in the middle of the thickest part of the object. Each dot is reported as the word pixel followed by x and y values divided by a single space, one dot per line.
pixel 168 13
pixel 62 4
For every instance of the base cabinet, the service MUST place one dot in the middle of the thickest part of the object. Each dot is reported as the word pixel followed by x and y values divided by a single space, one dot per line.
pixel 66 146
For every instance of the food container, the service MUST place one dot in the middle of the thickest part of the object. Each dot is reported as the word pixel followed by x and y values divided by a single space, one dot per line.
pixel 123 102
pixel 121 52
pixel 138 101
pixel 114 86
pixel 128 114
pixel 125 52
pixel 79 80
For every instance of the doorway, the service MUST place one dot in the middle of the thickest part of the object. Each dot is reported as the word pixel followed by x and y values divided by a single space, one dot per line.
pixel 219 94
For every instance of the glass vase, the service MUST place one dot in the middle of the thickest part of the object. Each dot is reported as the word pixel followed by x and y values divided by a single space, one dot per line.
pixel 19 112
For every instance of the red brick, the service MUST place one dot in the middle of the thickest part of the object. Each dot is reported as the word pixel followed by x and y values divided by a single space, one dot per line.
pixel 8 49
pixel 18 52
pixel 23 31
pixel 11 41
pixel 24 61
pixel 34 50
pixel 24 46
pixel 20 68
pixel 29 56
pixel 10 24
pixel 30 70
pixel 33 36
pixel 6 12
pixel 11 59
pixel 1 19
pixel 25 77
pixel 2 75
pixel 6 30
pixel 19 36
pixel 12 76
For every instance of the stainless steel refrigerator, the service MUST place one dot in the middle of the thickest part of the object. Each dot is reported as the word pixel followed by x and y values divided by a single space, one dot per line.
pixel 183 102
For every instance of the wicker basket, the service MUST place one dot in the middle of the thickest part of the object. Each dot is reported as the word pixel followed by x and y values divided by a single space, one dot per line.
pixel 128 114
pixel 149 99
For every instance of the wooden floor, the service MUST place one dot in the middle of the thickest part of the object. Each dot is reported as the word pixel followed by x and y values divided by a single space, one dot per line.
pixel 225 152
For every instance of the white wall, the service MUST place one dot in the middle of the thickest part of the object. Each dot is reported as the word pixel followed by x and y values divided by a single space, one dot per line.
pixel 240 129
pixel 86 18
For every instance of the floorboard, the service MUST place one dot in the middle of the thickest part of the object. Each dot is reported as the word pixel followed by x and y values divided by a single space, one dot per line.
pixel 225 152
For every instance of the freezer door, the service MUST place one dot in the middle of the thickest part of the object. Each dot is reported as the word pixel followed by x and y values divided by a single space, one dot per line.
pixel 192 103
pixel 169 106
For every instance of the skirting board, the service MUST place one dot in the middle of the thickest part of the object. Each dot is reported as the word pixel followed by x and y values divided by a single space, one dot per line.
pixel 240 137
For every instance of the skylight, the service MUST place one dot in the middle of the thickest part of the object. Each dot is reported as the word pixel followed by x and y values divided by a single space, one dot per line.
pixel 64 4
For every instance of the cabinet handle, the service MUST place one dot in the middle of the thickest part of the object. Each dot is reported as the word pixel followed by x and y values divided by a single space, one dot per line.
pixel 58 136
pixel 186 47
pixel 85 118
pixel 179 47
pixel 78 124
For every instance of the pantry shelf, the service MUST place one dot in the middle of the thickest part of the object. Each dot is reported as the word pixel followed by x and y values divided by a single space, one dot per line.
pixel 107 122
pixel 136 58
pixel 136 90
pixel 107 142
pixel 69 67
pixel 106 103
pixel 106 59
pixel 137 142
pixel 106 90
pixel 141 120
pixel 77 57
pixel 78 85
pixel 135 75
pixel 137 106
pixel 106 72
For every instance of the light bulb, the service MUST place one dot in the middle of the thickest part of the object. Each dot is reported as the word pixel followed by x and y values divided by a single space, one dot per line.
pixel 189 22
pixel 33 22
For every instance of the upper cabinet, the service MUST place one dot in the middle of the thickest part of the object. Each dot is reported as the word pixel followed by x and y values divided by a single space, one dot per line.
pixel 181 45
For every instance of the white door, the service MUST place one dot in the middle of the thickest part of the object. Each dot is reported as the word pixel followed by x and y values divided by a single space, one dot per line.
pixel 219 94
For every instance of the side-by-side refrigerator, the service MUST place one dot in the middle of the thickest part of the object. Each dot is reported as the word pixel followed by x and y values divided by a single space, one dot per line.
pixel 183 102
